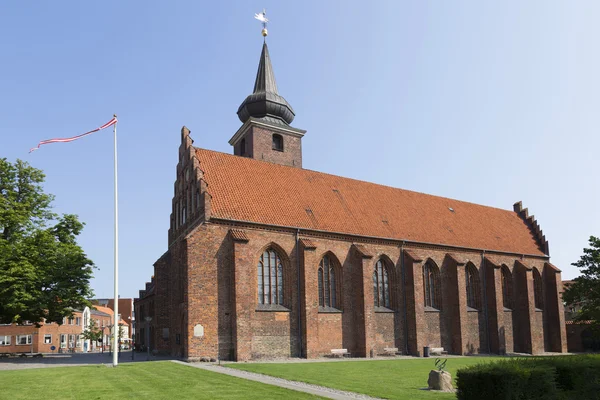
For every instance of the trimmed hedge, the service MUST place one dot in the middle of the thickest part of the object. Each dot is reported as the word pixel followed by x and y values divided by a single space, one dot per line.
pixel 560 378
pixel 505 380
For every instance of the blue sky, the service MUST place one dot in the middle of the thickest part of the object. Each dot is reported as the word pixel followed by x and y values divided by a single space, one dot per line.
pixel 485 102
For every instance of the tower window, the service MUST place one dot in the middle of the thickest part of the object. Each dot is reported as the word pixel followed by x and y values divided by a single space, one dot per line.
pixel 277 142
pixel 243 147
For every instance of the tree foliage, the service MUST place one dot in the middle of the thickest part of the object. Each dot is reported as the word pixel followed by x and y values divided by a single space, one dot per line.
pixel 44 273
pixel 584 292
pixel 92 332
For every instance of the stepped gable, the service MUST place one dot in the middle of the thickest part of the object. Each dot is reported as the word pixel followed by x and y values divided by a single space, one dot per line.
pixel 244 189
pixel 533 225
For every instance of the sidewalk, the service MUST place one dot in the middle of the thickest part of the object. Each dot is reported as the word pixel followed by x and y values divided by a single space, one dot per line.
pixel 322 391
pixel 73 360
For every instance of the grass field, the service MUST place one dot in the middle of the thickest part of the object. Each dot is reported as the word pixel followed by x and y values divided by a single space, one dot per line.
pixel 155 380
pixel 390 379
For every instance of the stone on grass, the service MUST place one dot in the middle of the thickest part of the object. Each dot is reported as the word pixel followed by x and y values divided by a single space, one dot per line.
pixel 440 380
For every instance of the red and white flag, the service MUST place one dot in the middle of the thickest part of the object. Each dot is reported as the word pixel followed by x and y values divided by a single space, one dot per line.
pixel 65 140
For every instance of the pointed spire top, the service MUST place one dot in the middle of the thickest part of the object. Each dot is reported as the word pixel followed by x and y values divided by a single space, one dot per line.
pixel 265 101
pixel 265 78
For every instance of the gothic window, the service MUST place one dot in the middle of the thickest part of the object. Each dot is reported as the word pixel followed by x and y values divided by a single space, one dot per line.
pixel 270 278
pixel 431 285
pixel 192 202
pixel 328 283
pixel 472 286
pixel 537 290
pixel 243 147
pixel 277 142
pixel 183 216
pixel 381 285
pixel 506 287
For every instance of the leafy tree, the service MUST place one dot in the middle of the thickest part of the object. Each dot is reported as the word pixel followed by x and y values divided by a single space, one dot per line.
pixel 584 292
pixel 92 332
pixel 44 274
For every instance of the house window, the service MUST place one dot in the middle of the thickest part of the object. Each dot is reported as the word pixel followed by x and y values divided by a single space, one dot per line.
pixel 5 340
pixel 381 285
pixel 71 321
pixel 47 338
pixel 63 341
pixel 277 142
pixel 431 285
pixel 329 283
pixel 23 339
pixel 243 147
pixel 270 278
pixel 183 215
pixel 506 287
pixel 537 290
pixel 472 286
pixel 77 321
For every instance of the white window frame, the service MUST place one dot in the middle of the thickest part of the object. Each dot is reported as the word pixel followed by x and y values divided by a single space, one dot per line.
pixel 63 340
pixel 77 321
pixel 47 336
pixel 27 340
pixel 5 340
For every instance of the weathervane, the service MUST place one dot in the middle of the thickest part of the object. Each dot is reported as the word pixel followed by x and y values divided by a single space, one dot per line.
pixel 262 17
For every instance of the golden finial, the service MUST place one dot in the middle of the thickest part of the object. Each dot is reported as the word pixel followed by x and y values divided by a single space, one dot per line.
pixel 262 17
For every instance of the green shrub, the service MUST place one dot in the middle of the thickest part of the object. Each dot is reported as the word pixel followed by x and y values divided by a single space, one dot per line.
pixel 505 380
pixel 562 377
pixel 576 377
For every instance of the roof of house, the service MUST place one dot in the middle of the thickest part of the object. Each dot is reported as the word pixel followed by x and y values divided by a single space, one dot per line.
pixel 99 313
pixel 245 189
pixel 105 310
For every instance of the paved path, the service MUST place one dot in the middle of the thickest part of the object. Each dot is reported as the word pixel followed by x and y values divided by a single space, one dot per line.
pixel 71 360
pixel 284 383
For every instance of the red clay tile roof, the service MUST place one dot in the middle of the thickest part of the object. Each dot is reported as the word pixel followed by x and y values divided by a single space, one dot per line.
pixel 307 243
pixel 105 310
pixel 238 235
pixel 250 190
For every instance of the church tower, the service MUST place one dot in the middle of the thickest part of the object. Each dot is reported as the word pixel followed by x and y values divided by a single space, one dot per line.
pixel 266 116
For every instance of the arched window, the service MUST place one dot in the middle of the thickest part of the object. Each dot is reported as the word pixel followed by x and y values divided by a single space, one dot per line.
pixel 431 285
pixel 381 285
pixel 507 287
pixel 270 278
pixel 537 290
pixel 329 282
pixel 472 286
pixel 277 142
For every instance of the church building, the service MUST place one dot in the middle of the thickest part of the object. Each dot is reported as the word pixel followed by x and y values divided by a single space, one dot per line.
pixel 266 259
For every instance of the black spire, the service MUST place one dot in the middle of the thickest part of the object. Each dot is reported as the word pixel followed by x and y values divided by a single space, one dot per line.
pixel 265 101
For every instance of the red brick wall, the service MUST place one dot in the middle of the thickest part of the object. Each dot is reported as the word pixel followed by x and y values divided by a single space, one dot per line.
pixel 259 145
pixel 39 333
pixel 219 292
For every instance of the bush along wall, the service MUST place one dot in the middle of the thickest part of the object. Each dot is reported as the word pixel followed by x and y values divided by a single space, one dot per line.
pixel 560 378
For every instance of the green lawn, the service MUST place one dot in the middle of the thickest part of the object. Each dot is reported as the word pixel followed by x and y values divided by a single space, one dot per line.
pixel 155 380
pixel 391 379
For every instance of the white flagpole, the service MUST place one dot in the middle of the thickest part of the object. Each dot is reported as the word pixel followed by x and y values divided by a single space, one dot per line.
pixel 116 303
